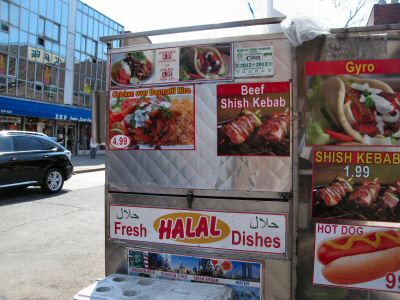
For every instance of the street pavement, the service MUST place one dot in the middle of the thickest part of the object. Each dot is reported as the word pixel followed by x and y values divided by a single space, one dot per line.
pixel 52 246
pixel 83 163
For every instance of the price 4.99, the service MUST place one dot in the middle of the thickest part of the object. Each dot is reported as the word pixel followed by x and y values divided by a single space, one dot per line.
pixel 120 141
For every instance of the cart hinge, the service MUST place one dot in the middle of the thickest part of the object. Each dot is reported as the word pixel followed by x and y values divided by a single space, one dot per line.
pixel 286 196
pixel 189 198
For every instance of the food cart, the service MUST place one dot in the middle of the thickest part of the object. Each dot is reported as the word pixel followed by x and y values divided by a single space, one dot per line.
pixel 209 173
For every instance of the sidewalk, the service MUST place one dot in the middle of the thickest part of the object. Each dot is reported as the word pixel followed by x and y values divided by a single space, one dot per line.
pixel 83 163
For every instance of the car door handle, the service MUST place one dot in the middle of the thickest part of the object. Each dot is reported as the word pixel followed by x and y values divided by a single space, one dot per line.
pixel 13 159
pixel 46 156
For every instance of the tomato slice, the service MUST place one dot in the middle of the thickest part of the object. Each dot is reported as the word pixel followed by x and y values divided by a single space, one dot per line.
pixel 129 104
pixel 123 77
pixel 116 117
pixel 339 136
pixel 369 129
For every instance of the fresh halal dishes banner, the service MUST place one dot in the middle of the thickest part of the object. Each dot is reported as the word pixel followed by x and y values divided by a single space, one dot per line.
pixel 252 232
pixel 355 102
pixel 362 185
pixel 254 119
pixel 362 257
pixel 152 118
pixel 204 62
pixel 244 278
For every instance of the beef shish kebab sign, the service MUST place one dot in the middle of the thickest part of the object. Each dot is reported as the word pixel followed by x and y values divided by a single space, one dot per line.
pixel 361 185
pixel 254 119
pixel 362 257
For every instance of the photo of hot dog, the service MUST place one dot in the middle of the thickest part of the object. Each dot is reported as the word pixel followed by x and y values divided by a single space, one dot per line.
pixel 355 259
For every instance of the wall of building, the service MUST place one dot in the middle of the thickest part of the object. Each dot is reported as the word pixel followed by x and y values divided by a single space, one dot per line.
pixel 50 52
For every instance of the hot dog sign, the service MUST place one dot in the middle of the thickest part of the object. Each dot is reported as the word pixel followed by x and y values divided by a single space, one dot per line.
pixel 252 232
pixel 363 257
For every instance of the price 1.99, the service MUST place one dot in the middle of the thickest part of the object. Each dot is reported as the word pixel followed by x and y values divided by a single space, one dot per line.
pixel 120 141
pixel 357 171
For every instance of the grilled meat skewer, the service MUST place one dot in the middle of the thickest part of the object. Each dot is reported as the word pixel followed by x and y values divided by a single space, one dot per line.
pixel 239 129
pixel 275 129
pixel 366 194
pixel 333 194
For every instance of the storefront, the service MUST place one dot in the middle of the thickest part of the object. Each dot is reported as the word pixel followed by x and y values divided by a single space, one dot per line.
pixel 70 125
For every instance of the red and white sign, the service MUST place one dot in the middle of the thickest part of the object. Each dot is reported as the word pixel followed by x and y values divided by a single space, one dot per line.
pixel 167 66
pixel 261 110
pixel 362 257
pixel 353 67
pixel 120 141
pixel 251 232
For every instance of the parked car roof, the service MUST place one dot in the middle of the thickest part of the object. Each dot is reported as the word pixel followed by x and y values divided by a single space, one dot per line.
pixel 23 132
pixel 32 133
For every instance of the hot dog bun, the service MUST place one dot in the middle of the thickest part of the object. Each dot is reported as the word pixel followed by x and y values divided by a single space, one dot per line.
pixel 362 267
pixel 352 245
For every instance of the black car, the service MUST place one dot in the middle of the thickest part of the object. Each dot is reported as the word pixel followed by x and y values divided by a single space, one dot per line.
pixel 28 159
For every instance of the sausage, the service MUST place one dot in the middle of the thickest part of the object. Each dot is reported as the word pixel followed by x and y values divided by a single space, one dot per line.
pixel 358 259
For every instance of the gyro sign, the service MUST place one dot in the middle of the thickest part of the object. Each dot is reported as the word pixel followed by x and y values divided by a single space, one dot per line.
pixel 250 232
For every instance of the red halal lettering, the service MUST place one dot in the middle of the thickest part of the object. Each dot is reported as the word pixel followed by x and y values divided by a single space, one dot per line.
pixel 183 228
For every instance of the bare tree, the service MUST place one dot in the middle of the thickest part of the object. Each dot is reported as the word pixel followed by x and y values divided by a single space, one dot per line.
pixel 357 10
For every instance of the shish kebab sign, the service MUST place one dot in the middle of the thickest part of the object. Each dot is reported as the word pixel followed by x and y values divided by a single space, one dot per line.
pixel 250 232
pixel 361 185
pixel 254 118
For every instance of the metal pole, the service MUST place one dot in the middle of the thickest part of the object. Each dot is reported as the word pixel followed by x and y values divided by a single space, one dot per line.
pixel 264 21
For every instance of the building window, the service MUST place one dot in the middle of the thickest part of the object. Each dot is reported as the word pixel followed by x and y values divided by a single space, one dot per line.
pixel 10 123
pixel 5 11
pixel 85 133
pixel 3 64
pixel 40 41
pixel 49 30
pixel 12 64
pixel 4 27
pixel 14 15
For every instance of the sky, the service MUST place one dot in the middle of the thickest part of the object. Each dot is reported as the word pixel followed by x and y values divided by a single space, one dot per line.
pixel 148 15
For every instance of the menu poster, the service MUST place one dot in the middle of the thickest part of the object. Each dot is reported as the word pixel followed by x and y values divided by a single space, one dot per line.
pixel 254 61
pixel 353 102
pixel 154 118
pixel 360 257
pixel 362 185
pixel 254 119
pixel 205 62
pixel 244 278
pixel 133 68
pixel 171 65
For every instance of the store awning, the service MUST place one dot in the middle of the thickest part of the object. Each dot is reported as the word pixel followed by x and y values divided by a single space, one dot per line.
pixel 18 107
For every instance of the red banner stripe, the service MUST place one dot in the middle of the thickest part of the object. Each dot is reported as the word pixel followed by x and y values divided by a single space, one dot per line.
pixel 258 88
pixel 353 67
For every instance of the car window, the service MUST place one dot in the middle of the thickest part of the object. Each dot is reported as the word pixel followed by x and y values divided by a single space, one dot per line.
pixel 27 143
pixel 6 144
pixel 47 145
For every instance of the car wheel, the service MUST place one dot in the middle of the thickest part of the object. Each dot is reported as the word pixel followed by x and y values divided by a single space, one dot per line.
pixel 53 181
